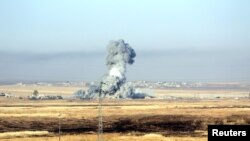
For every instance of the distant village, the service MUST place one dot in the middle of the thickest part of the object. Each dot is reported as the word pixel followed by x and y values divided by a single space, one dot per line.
pixel 137 84
pixel 154 84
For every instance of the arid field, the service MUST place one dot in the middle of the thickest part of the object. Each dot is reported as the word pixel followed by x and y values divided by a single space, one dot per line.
pixel 182 119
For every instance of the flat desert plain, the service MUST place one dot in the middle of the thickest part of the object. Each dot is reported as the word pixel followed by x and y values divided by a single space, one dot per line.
pixel 182 118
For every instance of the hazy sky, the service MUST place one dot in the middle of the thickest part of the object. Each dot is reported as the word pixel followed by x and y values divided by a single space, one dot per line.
pixel 190 40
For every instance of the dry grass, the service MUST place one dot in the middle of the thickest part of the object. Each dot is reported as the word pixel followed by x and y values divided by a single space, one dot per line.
pixel 87 109
pixel 73 112
pixel 110 137
pixel 10 135
pixel 79 114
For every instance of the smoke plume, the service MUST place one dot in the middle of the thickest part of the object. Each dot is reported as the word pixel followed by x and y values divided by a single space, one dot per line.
pixel 119 55
pixel 113 83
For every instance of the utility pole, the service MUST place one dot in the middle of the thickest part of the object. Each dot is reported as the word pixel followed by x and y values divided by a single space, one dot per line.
pixel 100 120
pixel 59 126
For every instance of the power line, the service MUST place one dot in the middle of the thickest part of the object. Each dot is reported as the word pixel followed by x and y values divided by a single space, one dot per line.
pixel 100 119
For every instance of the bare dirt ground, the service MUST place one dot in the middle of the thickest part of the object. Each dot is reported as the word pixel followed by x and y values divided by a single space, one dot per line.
pixel 25 90
pixel 140 120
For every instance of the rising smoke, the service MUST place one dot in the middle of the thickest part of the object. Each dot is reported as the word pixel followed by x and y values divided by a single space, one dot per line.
pixel 119 55
pixel 113 83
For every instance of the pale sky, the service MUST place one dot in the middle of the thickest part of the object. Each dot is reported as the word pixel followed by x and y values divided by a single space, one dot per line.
pixel 189 40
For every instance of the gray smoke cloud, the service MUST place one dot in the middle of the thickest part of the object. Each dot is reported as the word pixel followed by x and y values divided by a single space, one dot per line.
pixel 113 83
pixel 119 55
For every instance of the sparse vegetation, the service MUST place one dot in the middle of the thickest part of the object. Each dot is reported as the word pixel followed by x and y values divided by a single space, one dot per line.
pixel 138 120
pixel 110 137
pixel 35 92
pixel 22 134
